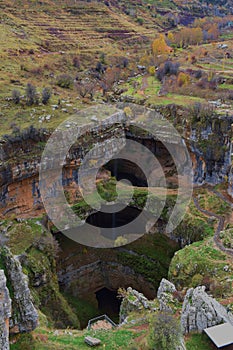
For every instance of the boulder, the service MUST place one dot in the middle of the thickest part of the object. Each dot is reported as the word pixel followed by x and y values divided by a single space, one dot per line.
pixel 201 311
pixel 92 341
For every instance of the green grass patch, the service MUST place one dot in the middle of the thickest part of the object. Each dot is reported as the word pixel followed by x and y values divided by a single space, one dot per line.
pixel 198 342
pixel 119 339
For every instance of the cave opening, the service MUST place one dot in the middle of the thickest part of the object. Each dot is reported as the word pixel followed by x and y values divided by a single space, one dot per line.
pixel 109 303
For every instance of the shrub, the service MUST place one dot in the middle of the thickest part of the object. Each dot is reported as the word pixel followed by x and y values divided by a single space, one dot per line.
pixel 76 62
pixel 100 67
pixel 46 94
pixel 140 20
pixel 151 70
pixel 165 332
pixel 65 81
pixel 171 68
pixel 16 96
pixel 202 83
pixel 193 59
pixel 48 245
pixel 31 94
pixel 198 74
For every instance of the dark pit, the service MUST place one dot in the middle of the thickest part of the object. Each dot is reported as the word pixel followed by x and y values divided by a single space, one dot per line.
pixel 108 303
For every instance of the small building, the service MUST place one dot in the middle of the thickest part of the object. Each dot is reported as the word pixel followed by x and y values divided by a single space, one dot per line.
pixel 221 335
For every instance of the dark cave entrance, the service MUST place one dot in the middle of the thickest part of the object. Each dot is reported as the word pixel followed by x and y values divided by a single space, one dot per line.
pixel 109 303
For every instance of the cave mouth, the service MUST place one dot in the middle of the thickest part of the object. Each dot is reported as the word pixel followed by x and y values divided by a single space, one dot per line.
pixel 123 169
pixel 109 303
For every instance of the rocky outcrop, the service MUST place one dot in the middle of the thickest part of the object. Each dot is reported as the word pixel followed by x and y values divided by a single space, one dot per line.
pixel 165 294
pixel 134 301
pixel 201 311
pixel 24 315
pixel 5 312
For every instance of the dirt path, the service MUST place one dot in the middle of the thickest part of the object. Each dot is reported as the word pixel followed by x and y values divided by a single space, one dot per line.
pixel 144 84
pixel 221 221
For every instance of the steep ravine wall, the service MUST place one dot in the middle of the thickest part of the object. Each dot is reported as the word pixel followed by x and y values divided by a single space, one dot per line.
pixel 85 281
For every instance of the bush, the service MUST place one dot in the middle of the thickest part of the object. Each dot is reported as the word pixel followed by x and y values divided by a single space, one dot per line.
pixel 31 95
pixel 65 81
pixel 201 112
pixel 76 62
pixel 16 96
pixel 198 74
pixel 151 70
pixel 169 68
pixel 46 94
pixel 165 332
pixel 140 21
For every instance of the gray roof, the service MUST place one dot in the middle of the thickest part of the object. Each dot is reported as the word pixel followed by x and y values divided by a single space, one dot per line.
pixel 221 335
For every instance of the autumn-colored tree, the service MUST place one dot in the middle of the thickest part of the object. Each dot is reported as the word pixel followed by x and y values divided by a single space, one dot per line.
pixel 170 37
pixel 145 60
pixel 197 35
pixel 160 47
pixel 188 36
pixel 213 32
pixel 183 79
pixel 111 76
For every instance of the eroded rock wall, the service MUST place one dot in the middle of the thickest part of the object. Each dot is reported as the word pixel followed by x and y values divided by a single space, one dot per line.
pixel 24 315
pixel 5 312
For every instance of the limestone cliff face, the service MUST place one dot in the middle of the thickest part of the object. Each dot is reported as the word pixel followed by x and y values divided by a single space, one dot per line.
pixel 5 312
pixel 210 147
pixel 24 315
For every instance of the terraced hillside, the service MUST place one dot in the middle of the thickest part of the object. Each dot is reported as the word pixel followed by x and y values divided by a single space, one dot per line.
pixel 55 26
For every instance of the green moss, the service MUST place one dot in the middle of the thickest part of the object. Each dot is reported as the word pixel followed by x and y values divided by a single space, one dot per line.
pixel 22 235
pixel 154 253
